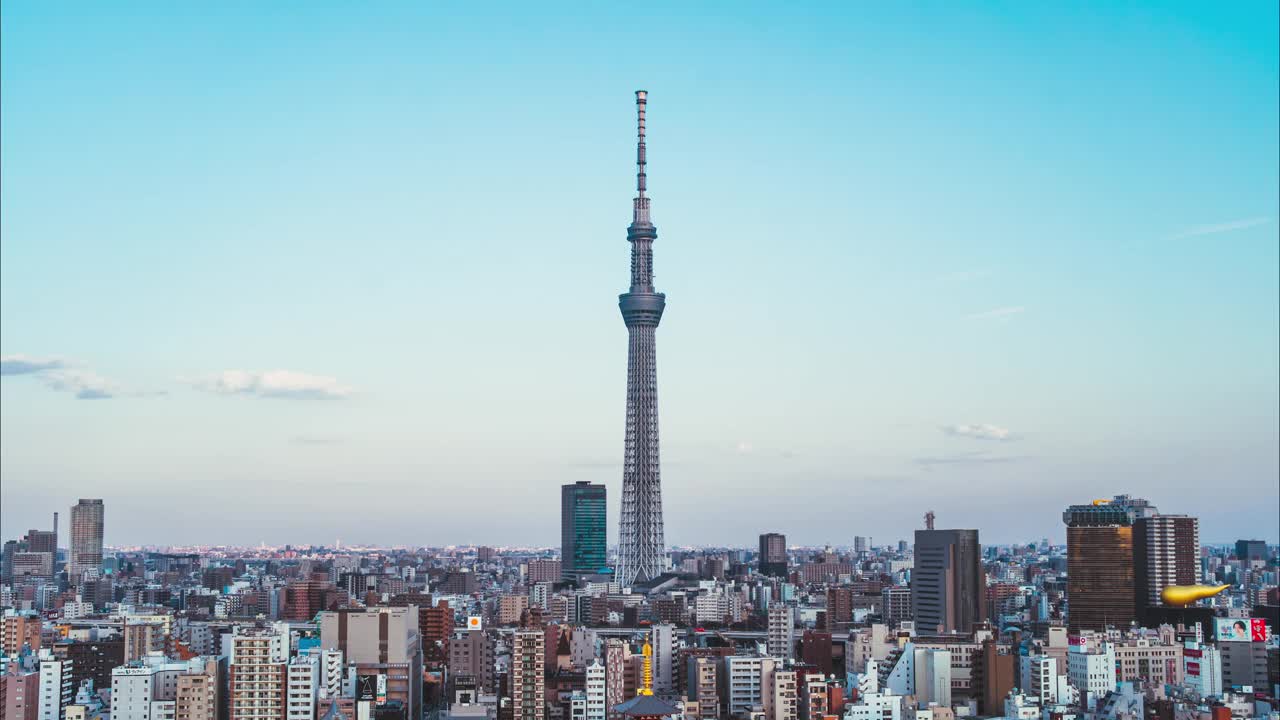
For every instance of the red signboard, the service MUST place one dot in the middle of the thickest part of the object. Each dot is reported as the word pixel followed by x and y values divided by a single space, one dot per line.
pixel 1192 652
pixel 1193 668
pixel 1258 629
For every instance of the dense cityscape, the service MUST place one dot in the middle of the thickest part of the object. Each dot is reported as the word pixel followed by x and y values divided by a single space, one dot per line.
pixel 1134 618
pixel 931 628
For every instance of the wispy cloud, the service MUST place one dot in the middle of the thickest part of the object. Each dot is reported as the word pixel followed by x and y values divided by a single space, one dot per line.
pixel 65 376
pixel 996 313
pixel 980 431
pixel 86 384
pixel 27 365
pixel 287 384
pixel 968 458
pixel 1220 227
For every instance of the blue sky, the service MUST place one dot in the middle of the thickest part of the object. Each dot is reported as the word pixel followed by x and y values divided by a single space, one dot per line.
pixel 352 271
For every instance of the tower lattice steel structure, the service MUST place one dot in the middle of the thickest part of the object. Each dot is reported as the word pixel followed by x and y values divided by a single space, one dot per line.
pixel 641 552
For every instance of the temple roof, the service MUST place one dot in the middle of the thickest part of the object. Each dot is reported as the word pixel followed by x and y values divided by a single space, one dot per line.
pixel 647 706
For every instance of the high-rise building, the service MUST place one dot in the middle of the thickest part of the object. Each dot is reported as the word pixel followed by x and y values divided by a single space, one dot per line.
pixel 1166 550
pixel 1250 551
pixel 816 651
pixel 436 625
pixel 6 559
pixel 511 608
pixel 19 694
pixel 332 672
pixel 595 691
pixel 197 694
pixel 781 640
pixel 43 541
pixel 471 652
pixel 839 607
pixel 702 687
pixel 616 655
pixel 385 645
pixel 895 604
pixel 86 539
pixel 641 549
pixel 1202 668
pixel 543 570
pixel 1243 663
pixel 1093 674
pixel 34 565
pixel 19 630
pixel 773 555
pixel 91 659
pixel 528 675
pixel 148 690
pixel 999 671
pixel 948 585
pixel 663 642
pixel 141 638
pixel 583 528
pixel 1041 676
pixel 740 685
pixel 257 677
pixel 933 682
pixel 56 688
pixel 1101 587
pixel 304 598
pixel 783 693
pixel 304 687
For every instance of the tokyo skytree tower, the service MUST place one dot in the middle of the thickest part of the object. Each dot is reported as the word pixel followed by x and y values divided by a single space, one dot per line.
pixel 641 552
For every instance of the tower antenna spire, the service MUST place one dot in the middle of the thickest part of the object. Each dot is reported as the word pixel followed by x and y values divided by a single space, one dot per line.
pixel 641 213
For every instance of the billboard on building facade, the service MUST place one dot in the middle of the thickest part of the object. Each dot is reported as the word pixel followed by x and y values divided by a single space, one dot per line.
pixel 1240 629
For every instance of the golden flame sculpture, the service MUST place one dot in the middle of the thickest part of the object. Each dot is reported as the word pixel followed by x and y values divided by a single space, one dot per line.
pixel 1183 595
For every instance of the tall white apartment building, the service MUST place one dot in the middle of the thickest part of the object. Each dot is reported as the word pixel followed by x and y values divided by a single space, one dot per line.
pixel 782 631
pixel 56 687
pixel 741 683
pixel 595 699
pixel 258 673
pixel 304 687
pixel 1093 674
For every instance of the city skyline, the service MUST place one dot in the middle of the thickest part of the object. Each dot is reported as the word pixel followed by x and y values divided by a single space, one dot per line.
pixel 277 286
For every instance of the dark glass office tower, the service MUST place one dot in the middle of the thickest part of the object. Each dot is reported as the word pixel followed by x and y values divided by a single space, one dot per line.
pixel 948 585
pixel 582 530
pixel 1250 550
pixel 773 555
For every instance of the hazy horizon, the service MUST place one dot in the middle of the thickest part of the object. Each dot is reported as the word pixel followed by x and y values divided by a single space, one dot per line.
pixel 285 275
